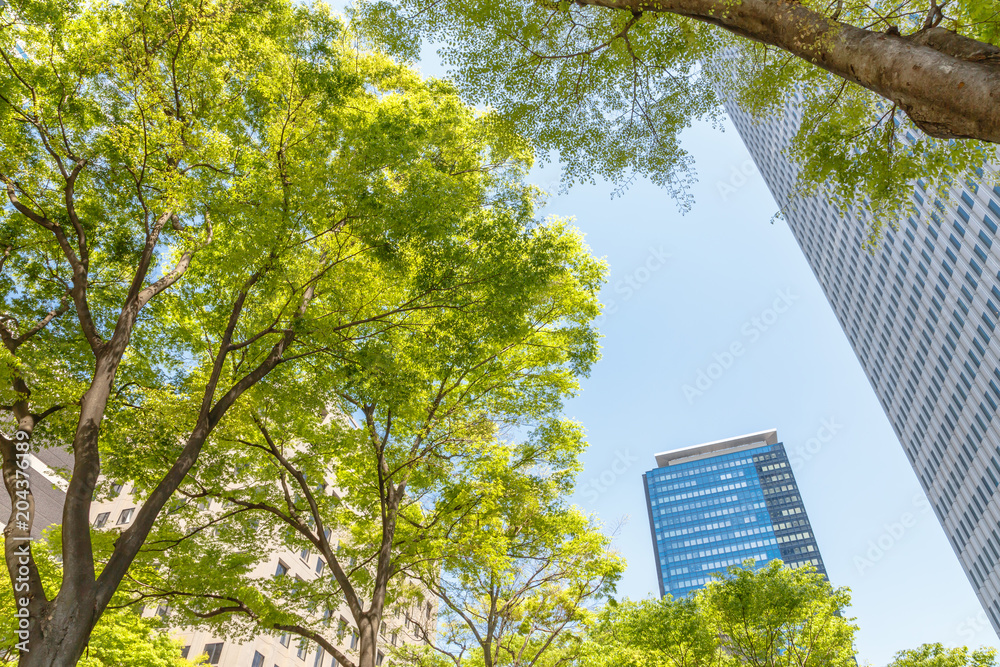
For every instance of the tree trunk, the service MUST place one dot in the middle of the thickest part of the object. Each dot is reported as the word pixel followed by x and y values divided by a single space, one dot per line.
pixel 947 84
pixel 60 636
pixel 368 639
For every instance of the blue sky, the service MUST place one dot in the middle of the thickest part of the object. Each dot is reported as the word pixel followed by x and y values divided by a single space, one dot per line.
pixel 685 288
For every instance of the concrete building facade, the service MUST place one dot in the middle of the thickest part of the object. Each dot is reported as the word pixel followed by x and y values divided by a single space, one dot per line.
pixel 921 313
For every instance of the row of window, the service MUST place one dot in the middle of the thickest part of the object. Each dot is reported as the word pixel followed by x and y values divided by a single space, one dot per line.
pixel 123 518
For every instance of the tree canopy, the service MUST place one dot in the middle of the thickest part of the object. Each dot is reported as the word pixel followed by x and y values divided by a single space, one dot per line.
pixel 937 655
pixel 417 455
pixel 759 616
pixel 205 198
pixel 608 85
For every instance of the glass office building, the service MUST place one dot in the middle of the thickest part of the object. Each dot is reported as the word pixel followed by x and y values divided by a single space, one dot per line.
pixel 719 503
pixel 921 312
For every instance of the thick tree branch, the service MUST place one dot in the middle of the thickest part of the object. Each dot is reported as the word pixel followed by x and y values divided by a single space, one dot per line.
pixel 947 84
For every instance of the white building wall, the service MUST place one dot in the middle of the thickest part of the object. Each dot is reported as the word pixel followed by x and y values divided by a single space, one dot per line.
pixel 277 650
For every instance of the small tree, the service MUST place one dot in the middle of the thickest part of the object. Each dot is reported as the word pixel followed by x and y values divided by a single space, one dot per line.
pixel 520 574
pixel 776 617
pixel 763 617
pixel 666 632
pixel 936 655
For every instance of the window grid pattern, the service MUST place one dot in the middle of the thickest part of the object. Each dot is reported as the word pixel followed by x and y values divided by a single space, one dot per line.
pixel 708 514
pixel 921 313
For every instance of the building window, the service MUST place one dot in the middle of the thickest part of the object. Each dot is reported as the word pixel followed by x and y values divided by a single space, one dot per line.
pixel 379 658
pixel 395 637
pixel 126 516
pixel 161 610
pixel 214 652
pixel 354 639
pixel 281 570
pixel 319 565
pixel 303 649
pixel 258 659
pixel 185 651
pixel 116 489
pixel 304 554
pixel 318 662
pixel 284 639
pixel 102 519
pixel 341 629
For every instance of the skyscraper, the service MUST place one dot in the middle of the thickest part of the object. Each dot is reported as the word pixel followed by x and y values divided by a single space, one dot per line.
pixel 719 503
pixel 921 313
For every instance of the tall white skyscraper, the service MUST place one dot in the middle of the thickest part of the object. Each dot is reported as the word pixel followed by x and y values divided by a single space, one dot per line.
pixel 921 313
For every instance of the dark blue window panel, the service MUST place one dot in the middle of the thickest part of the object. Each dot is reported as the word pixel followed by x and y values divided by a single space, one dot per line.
pixel 984 237
pixel 951 255
pixel 993 206
pixel 989 223
pixel 916 195
pixel 972 281
pixel 975 265
pixel 955 242
pixel 967 199
pixel 967 293
pixel 965 216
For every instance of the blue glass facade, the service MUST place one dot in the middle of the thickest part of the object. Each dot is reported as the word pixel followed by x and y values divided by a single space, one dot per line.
pixel 708 511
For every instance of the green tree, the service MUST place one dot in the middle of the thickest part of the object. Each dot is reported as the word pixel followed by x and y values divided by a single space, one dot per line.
pixel 608 85
pixel 120 639
pixel 411 447
pixel 666 632
pixel 519 575
pixel 769 616
pixel 203 196
pixel 936 655
pixel 779 617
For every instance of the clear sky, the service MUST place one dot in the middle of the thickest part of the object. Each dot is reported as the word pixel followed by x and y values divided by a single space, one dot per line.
pixel 682 290
pixel 686 287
